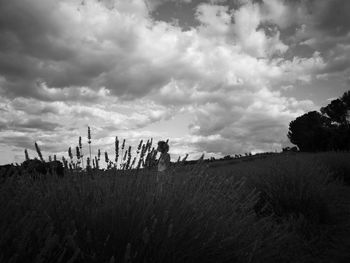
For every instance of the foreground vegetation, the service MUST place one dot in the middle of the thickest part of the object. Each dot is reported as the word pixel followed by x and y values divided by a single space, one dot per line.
pixel 286 208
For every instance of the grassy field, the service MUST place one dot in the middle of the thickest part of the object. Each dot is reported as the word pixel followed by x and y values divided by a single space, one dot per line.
pixel 284 208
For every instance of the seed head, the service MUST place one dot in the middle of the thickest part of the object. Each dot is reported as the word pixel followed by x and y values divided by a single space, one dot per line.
pixel 123 145
pixel 129 158
pixel 89 135
pixel 106 157
pixel 26 154
pixel 139 147
pixel 116 149
pixel 126 153
pixel 39 152
pixel 78 152
pixel 70 154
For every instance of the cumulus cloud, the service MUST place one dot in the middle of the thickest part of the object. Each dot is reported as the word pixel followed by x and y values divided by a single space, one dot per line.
pixel 56 125
pixel 252 121
pixel 68 64
pixel 112 47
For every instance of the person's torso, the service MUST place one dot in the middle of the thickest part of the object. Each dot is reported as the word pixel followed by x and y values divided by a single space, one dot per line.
pixel 162 165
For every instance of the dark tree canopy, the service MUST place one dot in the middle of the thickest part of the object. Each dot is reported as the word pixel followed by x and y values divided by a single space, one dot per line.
pixel 338 110
pixel 328 130
pixel 309 131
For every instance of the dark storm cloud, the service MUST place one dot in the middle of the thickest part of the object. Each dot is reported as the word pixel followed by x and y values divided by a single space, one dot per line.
pixel 330 16
pixel 40 43
pixel 323 19
pixel 28 26
pixel 314 26
pixel 29 32
pixel 333 17
pixel 47 53
pixel 173 11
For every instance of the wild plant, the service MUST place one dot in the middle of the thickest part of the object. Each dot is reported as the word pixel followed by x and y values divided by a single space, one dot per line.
pixel 127 166
pixel 70 154
pixel 123 146
pixel 81 152
pixel 65 162
pixel 39 152
pixel 26 155
pixel 78 155
pixel 106 158
pixel 194 213
pixel 116 150
pixel 89 140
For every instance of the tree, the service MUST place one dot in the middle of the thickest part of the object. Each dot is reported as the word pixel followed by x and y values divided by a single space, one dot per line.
pixel 310 132
pixel 327 131
pixel 338 110
pixel 339 138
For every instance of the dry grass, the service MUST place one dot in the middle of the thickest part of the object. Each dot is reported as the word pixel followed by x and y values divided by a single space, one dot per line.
pixel 190 214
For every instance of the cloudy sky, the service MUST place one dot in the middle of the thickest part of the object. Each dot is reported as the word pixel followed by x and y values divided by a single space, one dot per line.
pixel 216 77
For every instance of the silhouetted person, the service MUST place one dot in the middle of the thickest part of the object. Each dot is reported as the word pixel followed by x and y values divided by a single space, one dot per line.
pixel 163 163
pixel 164 159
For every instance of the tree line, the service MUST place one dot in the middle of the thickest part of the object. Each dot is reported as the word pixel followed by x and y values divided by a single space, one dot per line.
pixel 326 130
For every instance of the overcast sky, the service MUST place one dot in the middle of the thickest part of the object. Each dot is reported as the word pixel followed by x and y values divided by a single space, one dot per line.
pixel 216 77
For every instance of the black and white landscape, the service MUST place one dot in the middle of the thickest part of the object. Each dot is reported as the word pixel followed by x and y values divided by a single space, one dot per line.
pixel 174 131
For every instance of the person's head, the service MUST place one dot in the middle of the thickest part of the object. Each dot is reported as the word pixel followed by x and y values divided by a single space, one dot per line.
pixel 163 147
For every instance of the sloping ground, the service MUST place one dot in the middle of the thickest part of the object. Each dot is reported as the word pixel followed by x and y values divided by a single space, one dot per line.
pixel 340 253
pixel 221 163
pixel 336 248
pixel 101 217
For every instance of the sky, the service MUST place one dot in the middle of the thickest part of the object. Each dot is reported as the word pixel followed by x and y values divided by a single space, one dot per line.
pixel 212 76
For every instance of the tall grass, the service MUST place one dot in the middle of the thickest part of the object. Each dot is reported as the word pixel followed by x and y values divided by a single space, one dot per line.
pixel 189 214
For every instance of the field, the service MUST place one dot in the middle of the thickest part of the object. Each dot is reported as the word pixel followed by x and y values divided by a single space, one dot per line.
pixel 292 207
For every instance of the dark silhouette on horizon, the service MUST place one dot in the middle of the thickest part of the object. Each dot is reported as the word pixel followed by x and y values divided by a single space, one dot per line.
pixel 327 130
